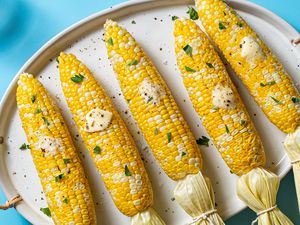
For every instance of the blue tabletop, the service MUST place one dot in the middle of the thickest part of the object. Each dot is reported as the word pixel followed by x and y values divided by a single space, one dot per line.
pixel 35 22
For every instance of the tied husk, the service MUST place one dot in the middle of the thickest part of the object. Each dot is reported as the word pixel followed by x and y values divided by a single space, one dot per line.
pixel 292 147
pixel 195 195
pixel 148 217
pixel 258 189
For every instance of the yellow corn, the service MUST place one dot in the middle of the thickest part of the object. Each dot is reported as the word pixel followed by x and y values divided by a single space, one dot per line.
pixel 117 157
pixel 152 105
pixel 260 71
pixel 59 168
pixel 230 126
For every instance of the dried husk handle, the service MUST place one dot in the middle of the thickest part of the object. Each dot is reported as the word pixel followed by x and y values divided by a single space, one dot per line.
pixel 258 189
pixel 148 217
pixel 11 203
pixel 195 195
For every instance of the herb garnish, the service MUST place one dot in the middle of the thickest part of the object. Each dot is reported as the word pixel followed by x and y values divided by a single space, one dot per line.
pixel 66 200
pixel 239 24
pixel 243 122
pixel 46 121
pixel 210 65
pixel 127 172
pixel 169 136
pixel 183 154
pixel 189 69
pixel 46 211
pixel 156 131
pixel 33 98
pixel 37 111
pixel 267 84
pixel 133 63
pixel 24 146
pixel 77 78
pixel 97 150
pixel 295 100
pixel 277 101
pixel 59 177
pixel 188 50
pixel 222 26
pixel 227 129
pixel 193 13
pixel 149 99
pixel 174 18
pixel 67 161
pixel 203 141
pixel 133 22
pixel 110 41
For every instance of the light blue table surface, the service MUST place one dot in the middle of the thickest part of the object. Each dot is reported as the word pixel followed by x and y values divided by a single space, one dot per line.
pixel 35 22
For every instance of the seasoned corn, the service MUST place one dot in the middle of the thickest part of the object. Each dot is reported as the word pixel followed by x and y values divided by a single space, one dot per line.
pixel 58 165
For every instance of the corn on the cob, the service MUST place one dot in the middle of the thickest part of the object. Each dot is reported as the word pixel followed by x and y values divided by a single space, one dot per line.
pixel 259 69
pixel 59 168
pixel 224 115
pixel 160 120
pixel 110 145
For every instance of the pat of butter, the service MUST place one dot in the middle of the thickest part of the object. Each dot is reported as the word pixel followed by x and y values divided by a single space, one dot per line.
pixel 223 97
pixel 250 48
pixel 97 120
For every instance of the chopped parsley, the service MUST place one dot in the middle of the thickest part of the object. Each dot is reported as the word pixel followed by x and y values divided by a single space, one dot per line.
pixel 193 13
pixel 169 136
pixel 37 111
pixel 46 211
pixel 110 41
pixel 67 161
pixel 243 122
pixel 57 60
pixel 183 154
pixel 210 65
pixel 189 69
pixel 149 99
pixel 133 22
pixel 66 200
pixel 133 63
pixel 59 177
pixel 24 146
pixel 267 84
pixel 215 108
pixel 156 131
pixel 227 129
pixel 33 98
pixel 46 121
pixel 128 100
pixel 174 18
pixel 203 141
pixel 97 150
pixel 188 50
pixel 127 172
pixel 222 26
pixel 295 100
pixel 276 100
pixel 77 78
pixel 239 24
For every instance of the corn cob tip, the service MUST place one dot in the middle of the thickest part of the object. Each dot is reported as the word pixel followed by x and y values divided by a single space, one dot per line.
pixel 109 23
pixel 24 77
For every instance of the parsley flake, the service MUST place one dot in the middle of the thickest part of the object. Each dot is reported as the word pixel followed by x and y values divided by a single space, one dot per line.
pixel 37 111
pixel 46 121
pixel 188 50
pixel 193 13
pixel 110 41
pixel 267 84
pixel 67 161
pixel 277 101
pixel 77 78
pixel 243 122
pixel 156 131
pixel 33 98
pixel 66 200
pixel 57 60
pixel 222 26
pixel 169 136
pixel 227 129
pixel 24 146
pixel 97 150
pixel 46 211
pixel 59 177
pixel 133 22
pixel 239 24
pixel 127 172
pixel 295 100
pixel 210 65
pixel 128 100
pixel 133 63
pixel 189 69
pixel 149 99
pixel 174 18
pixel 183 154
pixel 203 141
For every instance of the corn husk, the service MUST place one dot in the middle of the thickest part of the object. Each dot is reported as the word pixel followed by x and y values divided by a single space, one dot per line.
pixel 258 189
pixel 195 195
pixel 292 147
pixel 148 217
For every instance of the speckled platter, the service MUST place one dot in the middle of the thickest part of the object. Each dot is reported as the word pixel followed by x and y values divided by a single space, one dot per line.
pixel 153 29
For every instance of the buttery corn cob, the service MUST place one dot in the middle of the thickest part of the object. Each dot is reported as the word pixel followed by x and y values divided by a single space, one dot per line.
pixel 254 63
pixel 216 99
pixel 224 115
pixel 161 122
pixel 260 71
pixel 112 148
pixel 59 168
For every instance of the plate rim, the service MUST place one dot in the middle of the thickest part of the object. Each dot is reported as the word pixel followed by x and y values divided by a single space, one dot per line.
pixel 292 32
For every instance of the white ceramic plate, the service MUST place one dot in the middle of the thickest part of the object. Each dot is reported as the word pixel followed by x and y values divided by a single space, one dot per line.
pixel 153 30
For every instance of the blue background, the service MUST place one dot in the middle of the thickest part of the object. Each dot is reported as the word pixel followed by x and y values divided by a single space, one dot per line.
pixel 34 22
